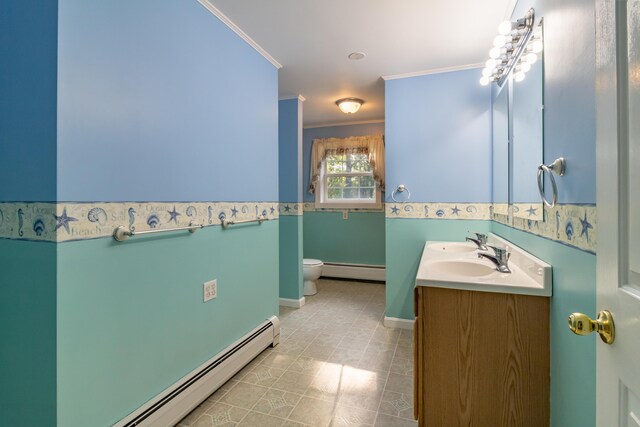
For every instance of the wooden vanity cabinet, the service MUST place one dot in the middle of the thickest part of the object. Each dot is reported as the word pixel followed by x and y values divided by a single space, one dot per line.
pixel 481 359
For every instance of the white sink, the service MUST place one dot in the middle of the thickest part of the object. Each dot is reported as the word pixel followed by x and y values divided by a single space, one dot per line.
pixel 462 268
pixel 456 265
pixel 452 247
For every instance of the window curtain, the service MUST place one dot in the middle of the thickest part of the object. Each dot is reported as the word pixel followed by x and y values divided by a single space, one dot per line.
pixel 373 145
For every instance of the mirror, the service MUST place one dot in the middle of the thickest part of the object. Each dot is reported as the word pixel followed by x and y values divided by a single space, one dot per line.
pixel 517 119
pixel 500 140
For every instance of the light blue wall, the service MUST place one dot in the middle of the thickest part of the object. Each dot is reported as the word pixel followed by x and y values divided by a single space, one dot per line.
pixel 290 150
pixel 344 131
pixel 438 137
pixel 166 86
pixel 159 101
pixel 290 190
pixel 28 45
pixel 327 236
pixel 28 333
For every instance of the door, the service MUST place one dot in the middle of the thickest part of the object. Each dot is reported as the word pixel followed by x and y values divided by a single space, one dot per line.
pixel 618 205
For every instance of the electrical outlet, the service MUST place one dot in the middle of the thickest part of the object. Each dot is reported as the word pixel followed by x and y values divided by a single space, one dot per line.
pixel 210 290
pixel 345 214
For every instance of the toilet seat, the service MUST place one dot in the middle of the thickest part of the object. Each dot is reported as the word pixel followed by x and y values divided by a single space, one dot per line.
pixel 311 262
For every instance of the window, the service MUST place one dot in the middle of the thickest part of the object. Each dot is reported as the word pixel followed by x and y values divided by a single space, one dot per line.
pixel 347 181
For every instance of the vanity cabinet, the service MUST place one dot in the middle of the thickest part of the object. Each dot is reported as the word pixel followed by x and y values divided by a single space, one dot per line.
pixel 481 358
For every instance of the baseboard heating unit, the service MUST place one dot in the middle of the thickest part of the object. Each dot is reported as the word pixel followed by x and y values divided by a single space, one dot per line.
pixel 177 401
pixel 354 271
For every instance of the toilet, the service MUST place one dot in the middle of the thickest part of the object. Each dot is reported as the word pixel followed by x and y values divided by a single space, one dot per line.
pixel 311 271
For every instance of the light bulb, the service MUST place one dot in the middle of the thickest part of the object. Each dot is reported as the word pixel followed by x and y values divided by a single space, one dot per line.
pixel 499 41
pixel 487 72
pixel 491 63
pixel 536 46
pixel 484 80
pixel 531 58
pixel 519 76
pixel 495 52
pixel 505 28
pixel 525 67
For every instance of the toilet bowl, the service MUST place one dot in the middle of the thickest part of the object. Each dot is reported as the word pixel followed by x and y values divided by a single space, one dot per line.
pixel 311 271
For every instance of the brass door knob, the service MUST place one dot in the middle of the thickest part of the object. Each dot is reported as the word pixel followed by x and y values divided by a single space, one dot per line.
pixel 581 324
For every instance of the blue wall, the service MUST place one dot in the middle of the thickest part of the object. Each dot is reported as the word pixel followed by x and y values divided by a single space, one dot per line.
pixel 162 85
pixel 438 137
pixel 290 189
pixel 159 101
pixel 28 45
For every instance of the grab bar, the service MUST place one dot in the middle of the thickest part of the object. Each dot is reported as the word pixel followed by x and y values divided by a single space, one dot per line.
pixel 121 233
pixel 259 220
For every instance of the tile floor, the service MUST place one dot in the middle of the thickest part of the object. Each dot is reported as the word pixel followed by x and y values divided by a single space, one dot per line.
pixel 336 365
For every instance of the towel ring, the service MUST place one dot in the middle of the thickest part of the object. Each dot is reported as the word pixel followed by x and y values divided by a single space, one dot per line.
pixel 557 168
pixel 400 189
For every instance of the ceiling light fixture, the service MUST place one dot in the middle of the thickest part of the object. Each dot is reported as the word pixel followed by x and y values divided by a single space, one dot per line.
pixel 357 55
pixel 349 105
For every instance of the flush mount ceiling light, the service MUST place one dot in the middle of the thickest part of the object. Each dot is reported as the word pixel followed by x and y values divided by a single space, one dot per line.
pixel 349 105
pixel 357 55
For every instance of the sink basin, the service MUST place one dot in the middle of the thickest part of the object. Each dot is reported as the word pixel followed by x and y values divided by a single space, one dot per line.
pixel 461 268
pixel 452 247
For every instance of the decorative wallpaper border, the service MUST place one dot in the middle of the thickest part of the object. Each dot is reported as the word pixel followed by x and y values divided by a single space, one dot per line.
pixel 62 222
pixel 290 209
pixel 439 210
pixel 571 224
pixel 311 207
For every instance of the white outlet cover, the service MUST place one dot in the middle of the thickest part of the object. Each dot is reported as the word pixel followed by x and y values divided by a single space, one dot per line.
pixel 210 290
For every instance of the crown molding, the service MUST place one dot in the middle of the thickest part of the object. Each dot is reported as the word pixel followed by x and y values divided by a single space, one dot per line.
pixel 433 71
pixel 222 17
pixel 287 98
pixel 360 122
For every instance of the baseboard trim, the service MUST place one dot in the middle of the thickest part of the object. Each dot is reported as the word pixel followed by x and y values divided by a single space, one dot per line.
pixel 295 303
pixel 394 322
pixel 354 271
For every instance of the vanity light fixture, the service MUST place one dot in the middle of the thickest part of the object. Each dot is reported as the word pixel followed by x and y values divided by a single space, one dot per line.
pixel 515 48
pixel 349 105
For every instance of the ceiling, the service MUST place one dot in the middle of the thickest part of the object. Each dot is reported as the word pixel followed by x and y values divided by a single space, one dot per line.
pixel 311 39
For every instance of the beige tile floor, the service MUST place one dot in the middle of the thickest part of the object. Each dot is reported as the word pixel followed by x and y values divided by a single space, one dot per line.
pixel 336 365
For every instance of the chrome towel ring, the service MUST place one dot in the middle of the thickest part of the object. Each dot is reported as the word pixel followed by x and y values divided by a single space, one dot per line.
pixel 400 189
pixel 558 168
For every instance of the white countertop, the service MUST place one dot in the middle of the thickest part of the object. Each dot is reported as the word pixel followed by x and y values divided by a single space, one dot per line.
pixel 529 275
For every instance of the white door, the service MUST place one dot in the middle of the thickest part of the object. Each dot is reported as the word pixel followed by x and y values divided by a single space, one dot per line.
pixel 618 204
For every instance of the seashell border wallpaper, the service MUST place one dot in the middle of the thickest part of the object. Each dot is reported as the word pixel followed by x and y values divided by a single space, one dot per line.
pixel 63 222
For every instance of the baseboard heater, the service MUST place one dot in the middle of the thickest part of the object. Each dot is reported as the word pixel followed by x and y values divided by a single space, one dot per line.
pixel 177 401
pixel 354 271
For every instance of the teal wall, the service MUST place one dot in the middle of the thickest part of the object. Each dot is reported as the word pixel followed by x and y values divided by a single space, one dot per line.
pixel 28 333
pixel 356 240
pixel 131 320
pixel 290 192
pixel 291 283
pixel 573 358
pixel 405 241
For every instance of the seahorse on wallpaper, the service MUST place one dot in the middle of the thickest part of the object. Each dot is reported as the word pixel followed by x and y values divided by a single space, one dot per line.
pixel 20 222
pixel 132 219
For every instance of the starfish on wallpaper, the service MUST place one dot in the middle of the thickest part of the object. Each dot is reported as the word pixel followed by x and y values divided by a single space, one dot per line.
pixel 64 220
pixel 234 211
pixel 532 211
pixel 586 225
pixel 455 211
pixel 174 215
pixel 395 210
pixel 287 208
pixel 272 210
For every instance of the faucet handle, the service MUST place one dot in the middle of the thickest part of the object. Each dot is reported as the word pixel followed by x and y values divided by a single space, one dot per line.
pixel 501 253
pixel 482 238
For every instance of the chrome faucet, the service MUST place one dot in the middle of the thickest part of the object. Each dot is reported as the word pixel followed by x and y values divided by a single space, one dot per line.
pixel 501 258
pixel 481 241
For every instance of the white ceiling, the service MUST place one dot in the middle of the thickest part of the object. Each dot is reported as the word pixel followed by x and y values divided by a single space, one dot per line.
pixel 312 38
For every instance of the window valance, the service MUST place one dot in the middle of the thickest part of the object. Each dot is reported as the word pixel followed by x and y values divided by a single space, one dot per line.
pixel 372 145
